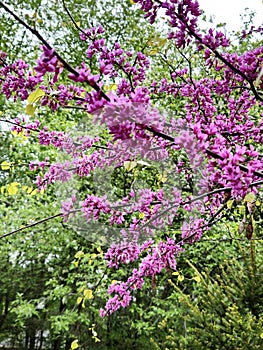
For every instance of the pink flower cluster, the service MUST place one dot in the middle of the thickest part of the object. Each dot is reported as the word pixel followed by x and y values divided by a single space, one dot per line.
pixel 15 79
pixel 221 119
pixel 159 257
pixel 48 62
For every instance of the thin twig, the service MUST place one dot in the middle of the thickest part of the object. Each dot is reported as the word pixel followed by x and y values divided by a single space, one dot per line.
pixel 71 17
pixel 30 225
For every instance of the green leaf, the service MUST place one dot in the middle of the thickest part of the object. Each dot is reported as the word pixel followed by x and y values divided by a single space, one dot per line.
pixel 35 96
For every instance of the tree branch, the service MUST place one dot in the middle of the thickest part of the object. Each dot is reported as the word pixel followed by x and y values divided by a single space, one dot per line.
pixel 31 225
pixel 66 65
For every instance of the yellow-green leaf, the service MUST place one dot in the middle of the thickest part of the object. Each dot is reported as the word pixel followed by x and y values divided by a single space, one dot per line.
pixel 99 250
pixel 34 192
pixel 41 191
pixel 114 282
pixel 79 300
pixel 141 215
pixel 129 165
pixel 162 177
pixel 5 165
pixel 88 294
pixel 229 204
pixel 180 278
pixel 12 188
pixel 74 345
pixel 176 273
pixel 154 52
pixel 197 278
pixel 30 110
pixel 35 96
pixel 79 254
pixel 110 87
pixel 250 197
pixel 29 190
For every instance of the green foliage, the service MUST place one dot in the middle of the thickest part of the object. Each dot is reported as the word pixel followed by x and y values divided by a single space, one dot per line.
pixel 223 310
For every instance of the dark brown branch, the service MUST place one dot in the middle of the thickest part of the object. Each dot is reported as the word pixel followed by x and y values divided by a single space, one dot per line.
pixel 71 17
pixel 31 225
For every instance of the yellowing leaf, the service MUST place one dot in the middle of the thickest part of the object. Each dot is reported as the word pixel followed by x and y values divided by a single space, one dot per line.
pixel 180 278
pixel 78 24
pixel 176 273
pixel 35 96
pixel 129 165
pixel 153 52
pixel 34 192
pixel 229 204
pixel 99 250
pixel 110 87
pixel 88 294
pixel 197 278
pixel 74 345
pixel 5 165
pixel 29 190
pixel 257 203
pixel 24 188
pixel 82 94
pixel 81 289
pixel 162 177
pixel 261 335
pixel 141 215
pixel 79 254
pixel 250 197
pixel 12 188
pixel 30 110
pixel 79 300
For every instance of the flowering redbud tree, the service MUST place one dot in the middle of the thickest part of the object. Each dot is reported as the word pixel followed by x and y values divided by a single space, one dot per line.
pixel 210 152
